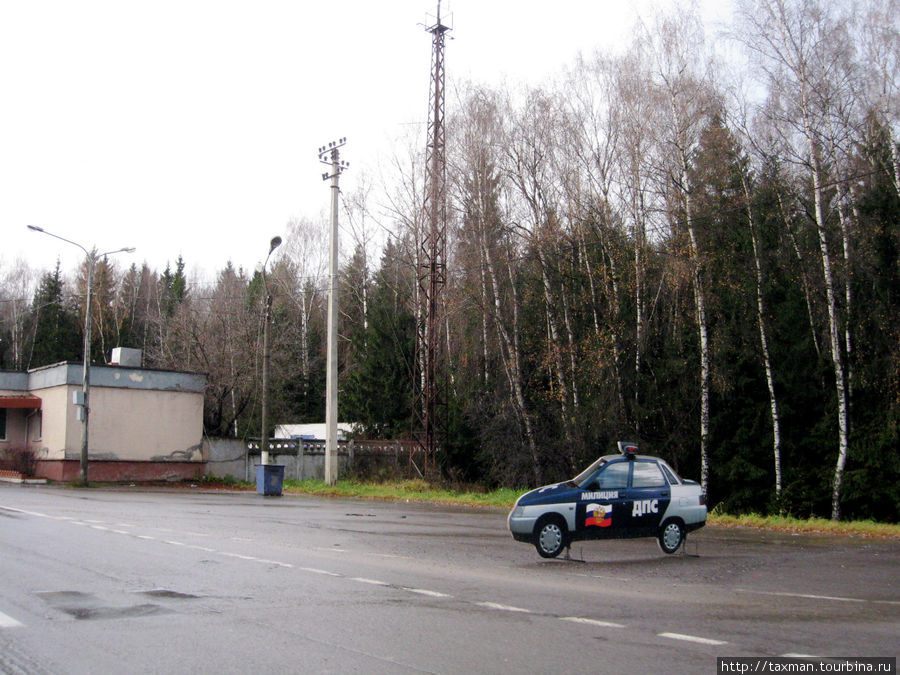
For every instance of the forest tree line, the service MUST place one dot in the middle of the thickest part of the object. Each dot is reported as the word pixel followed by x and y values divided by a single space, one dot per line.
pixel 649 247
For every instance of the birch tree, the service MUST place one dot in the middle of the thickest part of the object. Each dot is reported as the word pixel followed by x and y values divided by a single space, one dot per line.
pixel 791 41
pixel 685 90
pixel 16 287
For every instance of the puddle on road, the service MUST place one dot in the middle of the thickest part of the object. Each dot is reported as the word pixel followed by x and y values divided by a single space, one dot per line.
pixel 114 612
pixel 166 593
pixel 87 606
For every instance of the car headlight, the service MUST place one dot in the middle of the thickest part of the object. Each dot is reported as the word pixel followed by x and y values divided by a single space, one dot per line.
pixel 518 512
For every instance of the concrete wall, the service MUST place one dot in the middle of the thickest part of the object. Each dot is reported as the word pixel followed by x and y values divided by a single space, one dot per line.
pixel 59 428
pixel 400 459
pixel 225 457
pixel 229 457
pixel 142 425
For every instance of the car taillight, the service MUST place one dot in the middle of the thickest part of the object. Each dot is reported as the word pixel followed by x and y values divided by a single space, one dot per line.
pixel 702 499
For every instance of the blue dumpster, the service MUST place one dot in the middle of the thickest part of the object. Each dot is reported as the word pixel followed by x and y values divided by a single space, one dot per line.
pixel 269 478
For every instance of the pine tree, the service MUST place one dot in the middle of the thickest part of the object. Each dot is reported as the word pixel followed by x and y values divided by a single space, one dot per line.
pixel 57 336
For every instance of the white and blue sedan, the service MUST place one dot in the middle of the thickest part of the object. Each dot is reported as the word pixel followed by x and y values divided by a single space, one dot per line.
pixel 618 496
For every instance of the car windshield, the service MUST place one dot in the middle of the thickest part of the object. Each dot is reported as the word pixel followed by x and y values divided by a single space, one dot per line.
pixel 588 472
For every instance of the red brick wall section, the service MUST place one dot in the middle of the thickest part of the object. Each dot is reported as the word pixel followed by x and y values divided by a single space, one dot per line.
pixel 120 472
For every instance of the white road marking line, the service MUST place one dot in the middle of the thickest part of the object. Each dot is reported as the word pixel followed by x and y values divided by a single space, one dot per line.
pixel 174 543
pixel 692 638
pixel 503 608
pixel 37 514
pixel 201 548
pixel 373 582
pixel 333 549
pixel 120 531
pixel 99 527
pixel 236 555
pixel 425 591
pixel 145 536
pixel 7 621
pixel 274 562
pixel 318 571
pixel 807 596
pixel 592 622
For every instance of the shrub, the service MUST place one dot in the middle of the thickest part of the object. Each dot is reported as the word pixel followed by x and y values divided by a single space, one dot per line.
pixel 23 460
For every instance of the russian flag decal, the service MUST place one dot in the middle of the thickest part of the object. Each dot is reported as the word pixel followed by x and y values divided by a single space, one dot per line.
pixel 598 515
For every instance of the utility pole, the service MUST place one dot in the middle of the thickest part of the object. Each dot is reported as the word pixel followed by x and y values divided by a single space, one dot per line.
pixel 331 156
pixel 432 273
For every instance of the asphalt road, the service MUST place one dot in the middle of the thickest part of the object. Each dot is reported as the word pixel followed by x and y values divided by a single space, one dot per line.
pixel 150 581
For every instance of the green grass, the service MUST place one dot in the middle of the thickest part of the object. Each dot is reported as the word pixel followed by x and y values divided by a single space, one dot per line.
pixel 866 528
pixel 412 490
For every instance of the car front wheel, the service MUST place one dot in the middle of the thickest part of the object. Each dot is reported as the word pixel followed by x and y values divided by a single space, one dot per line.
pixel 550 537
pixel 671 536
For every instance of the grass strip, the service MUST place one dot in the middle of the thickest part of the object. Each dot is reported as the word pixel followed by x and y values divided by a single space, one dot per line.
pixel 867 528
pixel 423 491
pixel 412 490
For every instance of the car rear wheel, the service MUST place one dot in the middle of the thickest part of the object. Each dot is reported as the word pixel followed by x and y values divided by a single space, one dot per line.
pixel 550 536
pixel 671 536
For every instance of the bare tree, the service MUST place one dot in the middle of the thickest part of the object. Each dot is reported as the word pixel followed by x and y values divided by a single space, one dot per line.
pixel 485 228
pixel 686 91
pixel 793 43
pixel 594 138
pixel 633 174
pixel 532 169
pixel 304 263
pixel 16 289
pixel 880 61
pixel 741 116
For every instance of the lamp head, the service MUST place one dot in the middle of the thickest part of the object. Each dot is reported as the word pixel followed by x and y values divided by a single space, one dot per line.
pixel 275 243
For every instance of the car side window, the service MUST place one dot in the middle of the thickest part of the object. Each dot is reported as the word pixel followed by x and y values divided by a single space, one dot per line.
pixel 647 475
pixel 614 477
pixel 673 479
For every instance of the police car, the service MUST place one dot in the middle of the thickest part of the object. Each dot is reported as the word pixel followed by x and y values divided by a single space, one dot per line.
pixel 618 496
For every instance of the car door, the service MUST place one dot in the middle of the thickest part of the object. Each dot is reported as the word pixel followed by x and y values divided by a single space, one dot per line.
pixel 648 496
pixel 602 505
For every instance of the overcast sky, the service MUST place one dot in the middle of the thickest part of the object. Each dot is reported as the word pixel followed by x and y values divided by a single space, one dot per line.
pixel 192 126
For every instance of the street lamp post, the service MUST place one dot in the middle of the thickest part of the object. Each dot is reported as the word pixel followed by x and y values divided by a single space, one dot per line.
pixel 91 256
pixel 264 436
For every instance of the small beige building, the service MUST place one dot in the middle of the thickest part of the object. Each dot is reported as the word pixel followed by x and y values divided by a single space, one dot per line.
pixel 144 424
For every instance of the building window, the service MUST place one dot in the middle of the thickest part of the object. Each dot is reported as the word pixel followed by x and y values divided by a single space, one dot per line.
pixel 2 424
pixel 38 425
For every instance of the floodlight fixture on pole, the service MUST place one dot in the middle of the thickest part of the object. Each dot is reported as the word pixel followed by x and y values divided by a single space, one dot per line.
pixel 331 156
pixel 91 257
pixel 264 422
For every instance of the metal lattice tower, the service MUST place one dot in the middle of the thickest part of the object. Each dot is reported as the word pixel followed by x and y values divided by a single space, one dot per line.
pixel 432 272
